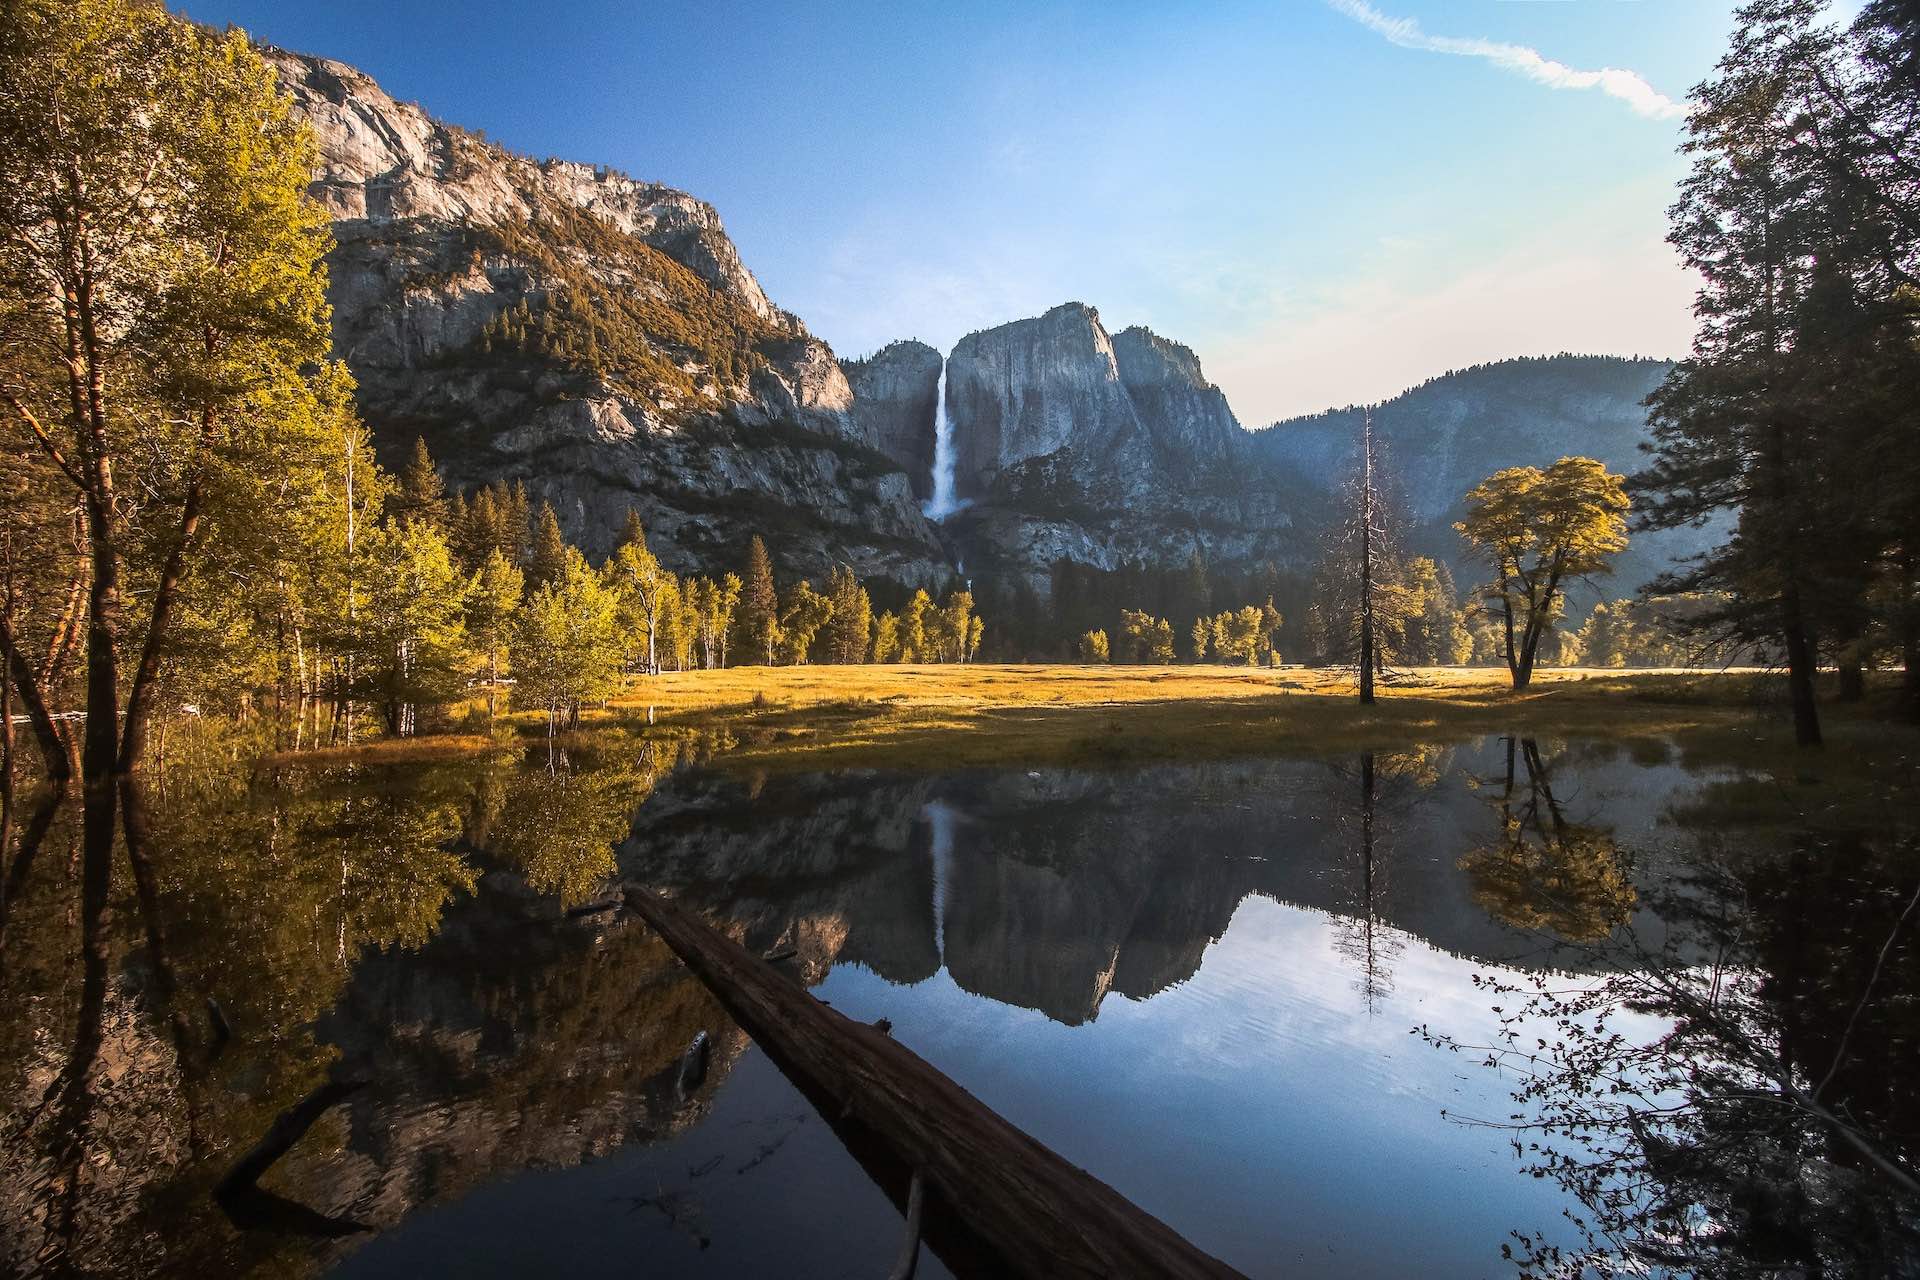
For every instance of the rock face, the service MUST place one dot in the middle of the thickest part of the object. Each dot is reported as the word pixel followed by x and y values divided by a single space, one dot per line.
pixel 1033 388
pixel 594 336
pixel 896 392
pixel 1105 450
pixel 1194 432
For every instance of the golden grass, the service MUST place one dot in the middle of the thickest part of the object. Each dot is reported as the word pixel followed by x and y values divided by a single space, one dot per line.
pixel 420 750
pixel 939 717
pixel 988 716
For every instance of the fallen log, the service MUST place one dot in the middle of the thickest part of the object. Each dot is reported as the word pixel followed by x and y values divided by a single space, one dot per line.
pixel 1042 1216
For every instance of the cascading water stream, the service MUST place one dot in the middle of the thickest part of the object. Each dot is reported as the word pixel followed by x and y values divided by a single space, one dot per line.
pixel 944 502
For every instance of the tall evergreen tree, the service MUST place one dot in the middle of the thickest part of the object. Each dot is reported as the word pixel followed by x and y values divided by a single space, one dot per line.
pixel 548 558
pixel 760 602
pixel 851 629
pixel 422 495
pixel 632 532
pixel 1802 215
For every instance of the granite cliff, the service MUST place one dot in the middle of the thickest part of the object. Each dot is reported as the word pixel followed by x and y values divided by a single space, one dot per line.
pixel 593 335
pixel 1107 450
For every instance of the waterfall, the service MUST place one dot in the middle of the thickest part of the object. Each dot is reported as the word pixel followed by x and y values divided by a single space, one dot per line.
pixel 940 821
pixel 943 503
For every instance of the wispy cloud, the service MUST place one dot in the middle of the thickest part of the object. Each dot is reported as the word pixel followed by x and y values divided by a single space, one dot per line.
pixel 1628 86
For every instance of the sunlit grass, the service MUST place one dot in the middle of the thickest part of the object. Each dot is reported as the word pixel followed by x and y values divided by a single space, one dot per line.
pixel 984 716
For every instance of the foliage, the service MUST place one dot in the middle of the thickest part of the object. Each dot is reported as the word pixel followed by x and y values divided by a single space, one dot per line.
pixel 412 630
pixel 851 628
pixel 803 615
pixel 1148 639
pixel 1796 408
pixel 566 643
pixel 163 324
pixel 547 556
pixel 1093 647
pixel 610 306
pixel 1537 530
pixel 1544 871
pixel 647 593
pixel 1723 1106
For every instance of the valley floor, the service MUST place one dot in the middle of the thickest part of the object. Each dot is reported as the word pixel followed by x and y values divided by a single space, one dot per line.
pixel 985 714
pixel 939 717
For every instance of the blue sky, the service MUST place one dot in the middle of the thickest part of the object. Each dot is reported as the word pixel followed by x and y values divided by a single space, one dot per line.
pixel 1329 200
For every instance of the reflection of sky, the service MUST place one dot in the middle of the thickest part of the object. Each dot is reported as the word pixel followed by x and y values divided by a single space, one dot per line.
pixel 1257 1107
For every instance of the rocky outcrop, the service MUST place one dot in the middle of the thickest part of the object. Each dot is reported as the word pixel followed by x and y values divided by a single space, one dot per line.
pixel 1106 451
pixel 1033 389
pixel 1192 427
pixel 594 336
pixel 896 393
pixel 598 338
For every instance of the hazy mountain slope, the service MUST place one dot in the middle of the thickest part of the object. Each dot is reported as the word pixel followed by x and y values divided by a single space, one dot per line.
pixel 1445 436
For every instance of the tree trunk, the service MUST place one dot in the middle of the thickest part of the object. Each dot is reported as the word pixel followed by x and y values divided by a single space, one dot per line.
pixel 1366 560
pixel 1853 682
pixel 21 678
pixel 1801 663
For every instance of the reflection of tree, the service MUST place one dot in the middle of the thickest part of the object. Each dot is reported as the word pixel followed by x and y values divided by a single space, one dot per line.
pixel 558 826
pixel 1765 1126
pixel 1362 934
pixel 263 898
pixel 1542 871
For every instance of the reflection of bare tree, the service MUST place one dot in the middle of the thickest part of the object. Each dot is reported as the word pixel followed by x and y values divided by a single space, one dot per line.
pixel 1745 1115
pixel 1542 871
pixel 1361 937
pixel 1362 934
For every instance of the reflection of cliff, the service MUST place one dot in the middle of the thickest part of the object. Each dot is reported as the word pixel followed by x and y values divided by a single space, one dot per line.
pixel 838 867
pixel 1061 887
pixel 508 1042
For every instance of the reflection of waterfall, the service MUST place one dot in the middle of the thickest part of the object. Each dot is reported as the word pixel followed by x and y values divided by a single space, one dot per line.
pixel 943 503
pixel 940 821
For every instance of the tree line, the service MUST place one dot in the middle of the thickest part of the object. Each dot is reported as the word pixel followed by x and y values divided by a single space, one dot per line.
pixel 1798 406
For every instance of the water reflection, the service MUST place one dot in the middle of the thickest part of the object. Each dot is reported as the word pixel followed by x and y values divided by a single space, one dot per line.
pixel 1763 1124
pixel 1194 979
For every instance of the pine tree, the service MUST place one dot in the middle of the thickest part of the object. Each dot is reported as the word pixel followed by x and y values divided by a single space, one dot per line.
pixel 760 602
pixel 1801 214
pixel 851 630
pixel 491 603
pixel 548 558
pixel 632 532
pixel 516 523
pixel 422 495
